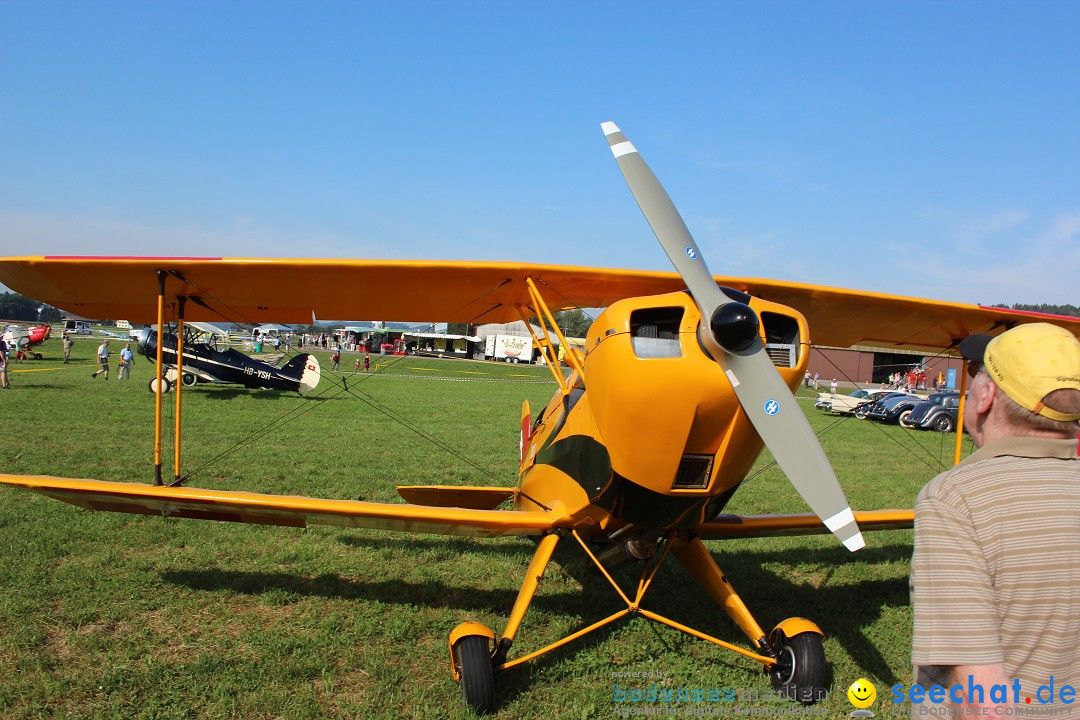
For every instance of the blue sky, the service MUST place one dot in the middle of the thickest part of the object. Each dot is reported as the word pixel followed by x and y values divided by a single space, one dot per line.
pixel 919 148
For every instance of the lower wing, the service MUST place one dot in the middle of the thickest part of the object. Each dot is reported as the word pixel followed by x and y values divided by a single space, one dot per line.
pixel 288 510
pixel 746 526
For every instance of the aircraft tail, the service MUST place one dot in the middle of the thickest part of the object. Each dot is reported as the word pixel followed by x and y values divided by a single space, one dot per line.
pixel 305 369
pixel 526 430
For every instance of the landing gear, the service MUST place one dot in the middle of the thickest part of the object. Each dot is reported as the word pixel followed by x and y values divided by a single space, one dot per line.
pixel 792 655
pixel 166 386
pixel 473 666
pixel 472 659
pixel 189 379
pixel 801 672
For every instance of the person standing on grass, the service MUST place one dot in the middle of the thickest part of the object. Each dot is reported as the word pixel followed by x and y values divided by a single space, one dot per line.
pixel 3 365
pixel 68 345
pixel 335 359
pixel 995 576
pixel 367 363
pixel 127 358
pixel 103 359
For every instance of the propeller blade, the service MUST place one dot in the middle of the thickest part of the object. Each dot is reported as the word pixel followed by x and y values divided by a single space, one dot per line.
pixel 762 393
pixel 666 222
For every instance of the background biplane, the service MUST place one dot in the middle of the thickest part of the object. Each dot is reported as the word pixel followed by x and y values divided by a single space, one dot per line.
pixel 684 378
pixel 204 359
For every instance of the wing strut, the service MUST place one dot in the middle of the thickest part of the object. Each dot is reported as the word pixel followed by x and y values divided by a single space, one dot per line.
pixel 181 302
pixel 545 318
pixel 958 445
pixel 161 275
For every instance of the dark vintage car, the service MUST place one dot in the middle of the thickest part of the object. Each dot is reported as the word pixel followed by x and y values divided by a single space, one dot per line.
pixel 939 412
pixel 893 408
pixel 864 407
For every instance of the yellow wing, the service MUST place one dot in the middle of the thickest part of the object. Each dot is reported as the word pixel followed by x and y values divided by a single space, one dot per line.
pixel 291 290
pixel 250 290
pixel 747 526
pixel 289 510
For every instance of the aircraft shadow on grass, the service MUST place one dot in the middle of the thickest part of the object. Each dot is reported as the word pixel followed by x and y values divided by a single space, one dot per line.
pixel 845 610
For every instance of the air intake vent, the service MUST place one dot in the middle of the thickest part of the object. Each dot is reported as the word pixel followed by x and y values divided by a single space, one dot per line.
pixel 781 354
pixel 693 473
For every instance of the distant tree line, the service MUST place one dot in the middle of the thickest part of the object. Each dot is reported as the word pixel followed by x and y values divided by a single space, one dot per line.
pixel 14 306
pixel 1069 310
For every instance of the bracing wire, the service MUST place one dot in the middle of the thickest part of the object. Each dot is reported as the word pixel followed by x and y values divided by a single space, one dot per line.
pixel 301 410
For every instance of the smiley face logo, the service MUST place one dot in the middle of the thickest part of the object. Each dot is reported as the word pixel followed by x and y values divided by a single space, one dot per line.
pixel 862 693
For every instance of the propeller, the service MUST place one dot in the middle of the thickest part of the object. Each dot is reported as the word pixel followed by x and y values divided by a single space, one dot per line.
pixel 730 334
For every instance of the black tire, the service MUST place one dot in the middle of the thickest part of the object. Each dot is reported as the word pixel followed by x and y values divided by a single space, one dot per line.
pixel 861 413
pixel 902 417
pixel 944 424
pixel 802 673
pixel 165 388
pixel 189 379
pixel 473 660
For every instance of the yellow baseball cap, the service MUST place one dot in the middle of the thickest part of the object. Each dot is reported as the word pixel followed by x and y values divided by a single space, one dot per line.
pixel 1028 363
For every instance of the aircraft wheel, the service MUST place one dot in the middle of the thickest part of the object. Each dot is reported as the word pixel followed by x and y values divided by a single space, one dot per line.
pixel 944 424
pixel 166 386
pixel 473 660
pixel 189 379
pixel 802 673
pixel 37 356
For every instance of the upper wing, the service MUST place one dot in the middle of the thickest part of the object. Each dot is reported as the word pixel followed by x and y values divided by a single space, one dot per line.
pixel 749 526
pixel 284 290
pixel 295 291
pixel 290 510
pixel 842 318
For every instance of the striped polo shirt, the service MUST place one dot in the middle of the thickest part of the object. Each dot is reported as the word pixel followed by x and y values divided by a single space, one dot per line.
pixel 995 577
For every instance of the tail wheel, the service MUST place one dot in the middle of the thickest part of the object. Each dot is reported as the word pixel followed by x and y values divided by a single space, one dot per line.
pixel 189 379
pixel 801 672
pixel 166 386
pixel 473 658
pixel 944 424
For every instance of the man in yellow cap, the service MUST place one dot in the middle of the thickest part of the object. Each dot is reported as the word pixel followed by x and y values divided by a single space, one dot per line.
pixel 995 578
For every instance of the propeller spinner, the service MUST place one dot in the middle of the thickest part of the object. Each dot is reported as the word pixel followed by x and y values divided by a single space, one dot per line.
pixel 732 338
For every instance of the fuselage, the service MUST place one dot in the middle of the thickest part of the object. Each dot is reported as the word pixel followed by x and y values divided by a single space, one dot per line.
pixel 654 436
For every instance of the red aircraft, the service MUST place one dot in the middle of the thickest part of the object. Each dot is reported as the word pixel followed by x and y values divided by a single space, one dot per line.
pixel 22 339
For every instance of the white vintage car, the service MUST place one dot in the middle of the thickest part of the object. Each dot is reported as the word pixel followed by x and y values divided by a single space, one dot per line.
pixel 846 403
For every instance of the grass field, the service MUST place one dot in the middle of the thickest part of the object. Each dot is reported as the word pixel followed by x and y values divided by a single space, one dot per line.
pixel 120 616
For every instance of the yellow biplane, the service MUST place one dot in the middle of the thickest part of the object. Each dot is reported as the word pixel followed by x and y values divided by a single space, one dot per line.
pixel 684 378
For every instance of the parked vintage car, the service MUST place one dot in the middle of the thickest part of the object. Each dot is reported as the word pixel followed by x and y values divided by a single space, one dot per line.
pixel 892 409
pixel 844 404
pixel 938 411
pixel 864 407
